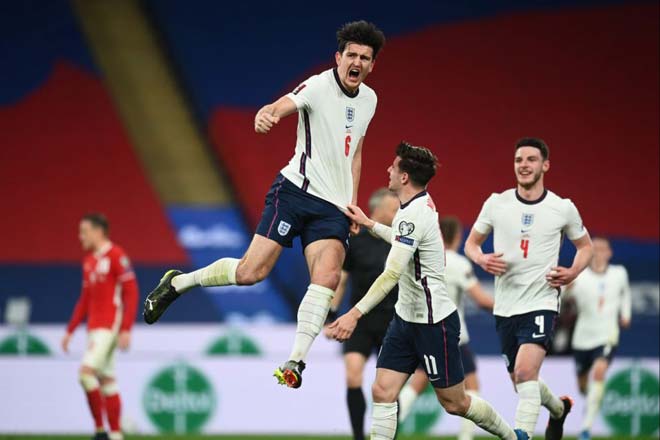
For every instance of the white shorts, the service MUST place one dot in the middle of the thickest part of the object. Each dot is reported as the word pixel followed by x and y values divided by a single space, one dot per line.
pixel 100 353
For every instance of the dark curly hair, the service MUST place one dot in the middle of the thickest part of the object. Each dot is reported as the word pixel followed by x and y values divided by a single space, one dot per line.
pixel 360 32
pixel 536 143
pixel 419 162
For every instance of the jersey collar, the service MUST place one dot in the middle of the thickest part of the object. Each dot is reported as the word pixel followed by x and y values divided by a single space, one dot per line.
pixel 417 196
pixel 531 202
pixel 103 250
pixel 341 86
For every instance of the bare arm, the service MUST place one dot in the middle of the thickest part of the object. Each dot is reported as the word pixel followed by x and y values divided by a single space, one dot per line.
pixel 491 263
pixel 356 168
pixel 562 276
pixel 481 297
pixel 269 115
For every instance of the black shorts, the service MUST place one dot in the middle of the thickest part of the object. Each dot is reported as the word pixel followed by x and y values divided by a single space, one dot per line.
pixel 292 212
pixel 536 327
pixel 584 359
pixel 469 363
pixel 435 346
pixel 367 337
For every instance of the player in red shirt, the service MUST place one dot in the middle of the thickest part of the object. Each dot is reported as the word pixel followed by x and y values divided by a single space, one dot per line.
pixel 109 301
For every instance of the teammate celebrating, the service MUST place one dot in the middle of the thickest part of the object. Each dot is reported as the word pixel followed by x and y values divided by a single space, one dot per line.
pixel 460 280
pixel 426 326
pixel 365 260
pixel 109 301
pixel 529 223
pixel 602 296
pixel 308 197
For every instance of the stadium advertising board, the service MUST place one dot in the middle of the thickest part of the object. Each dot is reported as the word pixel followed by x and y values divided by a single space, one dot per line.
pixel 215 379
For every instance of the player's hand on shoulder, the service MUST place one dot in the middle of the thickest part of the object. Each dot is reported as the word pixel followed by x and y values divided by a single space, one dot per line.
pixel 265 120
pixel 66 339
pixel 493 263
pixel 560 276
pixel 124 340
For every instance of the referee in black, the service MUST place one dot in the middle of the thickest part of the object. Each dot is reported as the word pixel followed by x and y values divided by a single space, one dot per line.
pixel 364 262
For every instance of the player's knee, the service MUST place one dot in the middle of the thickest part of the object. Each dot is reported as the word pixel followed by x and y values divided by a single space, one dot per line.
pixel 88 379
pixel 328 279
pixel 457 407
pixel 599 373
pixel 523 373
pixel 354 380
pixel 109 386
pixel 381 394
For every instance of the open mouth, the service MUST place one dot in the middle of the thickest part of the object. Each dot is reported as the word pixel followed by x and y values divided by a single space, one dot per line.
pixel 354 73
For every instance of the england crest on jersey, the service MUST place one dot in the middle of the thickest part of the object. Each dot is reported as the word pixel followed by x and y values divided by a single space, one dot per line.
pixel 527 220
pixel 350 114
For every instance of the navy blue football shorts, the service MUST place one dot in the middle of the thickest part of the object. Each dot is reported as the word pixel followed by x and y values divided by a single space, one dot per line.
pixel 584 359
pixel 536 327
pixel 408 345
pixel 291 212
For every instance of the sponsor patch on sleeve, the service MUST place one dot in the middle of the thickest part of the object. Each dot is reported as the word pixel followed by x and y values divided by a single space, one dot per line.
pixel 299 89
pixel 405 240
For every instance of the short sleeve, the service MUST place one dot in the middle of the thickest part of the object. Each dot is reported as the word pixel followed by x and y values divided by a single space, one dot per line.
pixel 407 229
pixel 467 278
pixel 307 94
pixel 574 229
pixel 484 222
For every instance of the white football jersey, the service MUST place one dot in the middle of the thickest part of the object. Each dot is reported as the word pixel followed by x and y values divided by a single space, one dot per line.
pixel 460 277
pixel 422 290
pixel 601 299
pixel 331 122
pixel 529 234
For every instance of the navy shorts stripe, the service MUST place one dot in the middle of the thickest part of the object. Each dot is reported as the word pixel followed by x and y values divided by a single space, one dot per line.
pixel 277 205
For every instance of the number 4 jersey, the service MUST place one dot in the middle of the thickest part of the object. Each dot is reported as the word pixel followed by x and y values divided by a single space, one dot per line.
pixel 529 235
pixel 331 122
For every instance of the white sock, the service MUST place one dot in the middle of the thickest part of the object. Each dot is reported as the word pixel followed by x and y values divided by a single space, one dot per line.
pixel 219 273
pixel 467 426
pixel 383 421
pixel 485 416
pixel 529 406
pixel 115 435
pixel 550 401
pixel 407 397
pixel 312 312
pixel 594 397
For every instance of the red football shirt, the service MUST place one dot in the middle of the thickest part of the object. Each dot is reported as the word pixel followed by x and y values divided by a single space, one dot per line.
pixel 109 291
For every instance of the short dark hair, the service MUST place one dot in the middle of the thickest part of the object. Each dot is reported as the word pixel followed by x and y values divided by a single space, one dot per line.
pixel 449 226
pixel 536 143
pixel 360 32
pixel 98 220
pixel 419 162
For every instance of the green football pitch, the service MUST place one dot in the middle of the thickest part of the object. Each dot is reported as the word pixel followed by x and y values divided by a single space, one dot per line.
pixel 258 437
